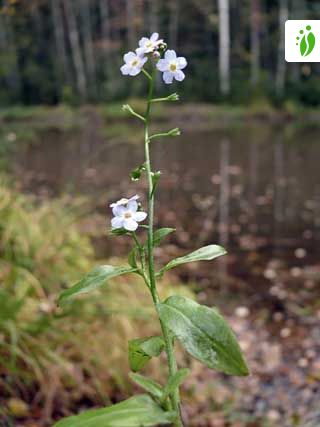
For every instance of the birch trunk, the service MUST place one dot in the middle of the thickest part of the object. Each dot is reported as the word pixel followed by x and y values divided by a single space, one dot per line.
pixel 173 23
pixel 224 46
pixel 87 43
pixel 131 24
pixel 59 35
pixel 255 41
pixel 73 33
pixel 281 65
pixel 153 15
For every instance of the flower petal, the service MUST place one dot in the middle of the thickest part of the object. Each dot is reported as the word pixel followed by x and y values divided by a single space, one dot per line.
pixel 179 75
pixel 139 216
pixel 167 77
pixel 125 69
pixel 162 65
pixel 154 37
pixel 129 56
pixel 140 51
pixel 135 197
pixel 182 62
pixel 130 224
pixel 170 55
pixel 134 71
pixel 117 222
pixel 132 206
pixel 118 210
pixel 143 61
pixel 143 41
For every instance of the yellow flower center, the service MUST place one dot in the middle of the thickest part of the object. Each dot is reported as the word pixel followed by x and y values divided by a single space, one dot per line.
pixel 149 44
pixel 127 215
pixel 173 67
pixel 135 63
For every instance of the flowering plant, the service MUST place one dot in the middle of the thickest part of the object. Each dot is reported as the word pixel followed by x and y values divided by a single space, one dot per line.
pixel 201 330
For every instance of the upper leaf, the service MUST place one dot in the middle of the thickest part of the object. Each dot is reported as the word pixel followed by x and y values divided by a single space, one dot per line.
pixel 141 350
pixel 139 411
pixel 160 234
pixel 206 253
pixel 204 334
pixel 93 280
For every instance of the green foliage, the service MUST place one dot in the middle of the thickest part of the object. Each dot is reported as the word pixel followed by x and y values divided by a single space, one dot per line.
pixel 141 350
pixel 139 411
pixel 160 234
pixel 204 334
pixel 94 280
pixel 149 385
pixel 206 253
pixel 174 382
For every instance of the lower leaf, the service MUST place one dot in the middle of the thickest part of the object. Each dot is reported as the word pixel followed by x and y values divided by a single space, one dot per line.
pixel 204 334
pixel 138 411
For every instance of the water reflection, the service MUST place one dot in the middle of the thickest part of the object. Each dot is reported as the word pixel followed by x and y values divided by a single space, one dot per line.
pixel 246 188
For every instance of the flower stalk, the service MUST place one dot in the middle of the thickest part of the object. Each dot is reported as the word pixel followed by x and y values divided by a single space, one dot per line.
pixel 172 364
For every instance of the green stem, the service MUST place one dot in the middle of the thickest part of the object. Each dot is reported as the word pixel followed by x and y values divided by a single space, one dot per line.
pixel 174 397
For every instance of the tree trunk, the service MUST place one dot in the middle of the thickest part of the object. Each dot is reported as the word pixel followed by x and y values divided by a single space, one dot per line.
pixel 154 15
pixel 105 22
pixel 255 41
pixel 76 49
pixel 173 23
pixel 131 24
pixel 7 44
pixel 224 46
pixel 88 44
pixel 59 35
pixel 281 67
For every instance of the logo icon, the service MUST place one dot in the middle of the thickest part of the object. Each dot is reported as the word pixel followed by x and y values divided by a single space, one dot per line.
pixel 306 40
pixel 302 40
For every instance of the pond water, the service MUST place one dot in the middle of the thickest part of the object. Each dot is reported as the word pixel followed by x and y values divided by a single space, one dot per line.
pixel 255 186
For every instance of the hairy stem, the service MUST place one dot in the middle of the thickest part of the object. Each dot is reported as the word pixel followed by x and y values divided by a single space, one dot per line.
pixel 175 399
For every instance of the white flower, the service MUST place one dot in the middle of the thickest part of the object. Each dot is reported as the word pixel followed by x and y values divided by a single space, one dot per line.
pixel 126 214
pixel 149 45
pixel 133 63
pixel 171 67
pixel 124 201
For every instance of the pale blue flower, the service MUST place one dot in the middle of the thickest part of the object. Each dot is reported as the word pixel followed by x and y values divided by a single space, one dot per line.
pixel 172 67
pixel 133 63
pixel 148 45
pixel 126 214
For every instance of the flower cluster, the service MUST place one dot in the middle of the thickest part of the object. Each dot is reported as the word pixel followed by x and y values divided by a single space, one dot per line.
pixel 170 65
pixel 126 214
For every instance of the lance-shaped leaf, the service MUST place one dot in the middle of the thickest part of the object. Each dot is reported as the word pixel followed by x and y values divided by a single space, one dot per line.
pixel 141 350
pixel 139 411
pixel 147 384
pixel 204 334
pixel 160 234
pixel 94 280
pixel 206 253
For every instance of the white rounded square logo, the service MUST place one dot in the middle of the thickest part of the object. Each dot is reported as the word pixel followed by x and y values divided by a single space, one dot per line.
pixel 302 40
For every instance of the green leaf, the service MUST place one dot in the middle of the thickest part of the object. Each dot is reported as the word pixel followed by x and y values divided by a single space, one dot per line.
pixel 204 334
pixel 94 280
pixel 141 350
pixel 147 384
pixel 138 411
pixel 206 253
pixel 174 382
pixel 160 234
pixel 132 258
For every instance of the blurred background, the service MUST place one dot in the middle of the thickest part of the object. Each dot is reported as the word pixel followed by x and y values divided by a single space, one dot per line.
pixel 244 174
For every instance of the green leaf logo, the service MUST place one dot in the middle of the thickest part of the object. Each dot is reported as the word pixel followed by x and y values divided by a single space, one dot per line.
pixel 306 40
